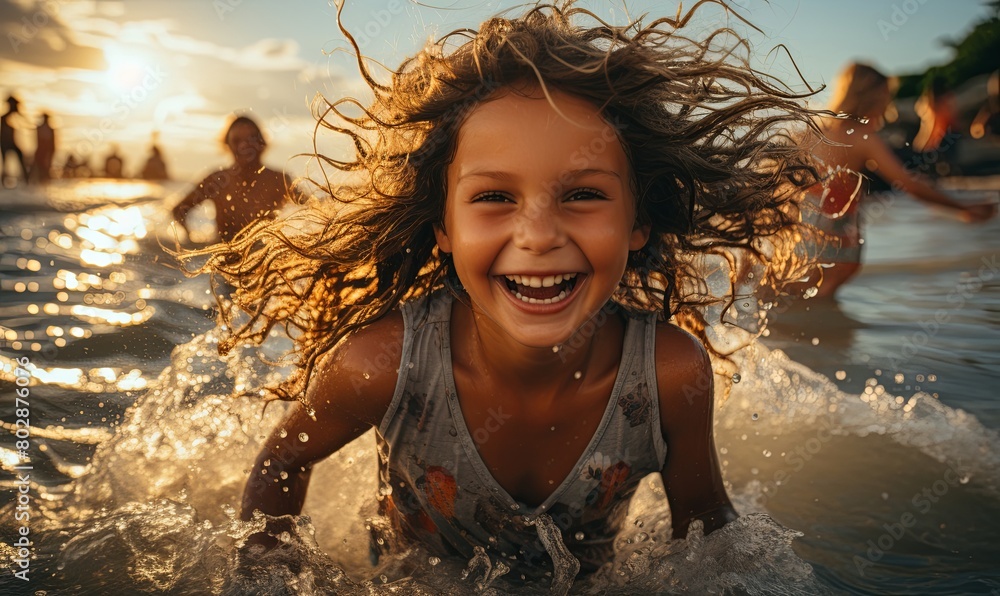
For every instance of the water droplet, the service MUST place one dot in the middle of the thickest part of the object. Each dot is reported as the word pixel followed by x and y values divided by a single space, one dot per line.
pixel 931 378
pixel 865 137
pixel 267 463
pixel 767 453
pixel 810 292
pixel 384 578
pixel 754 416
pixel 579 536
pixel 850 131
pixel 553 428
pixel 366 375
pixel 283 433
pixel 410 365
pixel 555 349
pixel 841 375
pixel 815 341
pixel 432 560
pixel 283 475
pixel 303 437
pixel 577 375
pixel 737 378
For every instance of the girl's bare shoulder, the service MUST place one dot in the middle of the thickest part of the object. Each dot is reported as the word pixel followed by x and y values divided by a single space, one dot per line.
pixel 684 375
pixel 358 375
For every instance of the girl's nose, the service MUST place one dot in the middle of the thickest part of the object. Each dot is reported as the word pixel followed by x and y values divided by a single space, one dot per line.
pixel 538 227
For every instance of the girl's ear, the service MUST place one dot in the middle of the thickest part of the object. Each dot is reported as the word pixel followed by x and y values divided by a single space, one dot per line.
pixel 639 237
pixel 444 243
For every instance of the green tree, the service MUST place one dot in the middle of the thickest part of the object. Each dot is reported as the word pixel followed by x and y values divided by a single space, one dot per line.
pixel 978 53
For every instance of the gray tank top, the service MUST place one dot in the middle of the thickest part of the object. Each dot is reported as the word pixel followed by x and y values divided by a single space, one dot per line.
pixel 436 490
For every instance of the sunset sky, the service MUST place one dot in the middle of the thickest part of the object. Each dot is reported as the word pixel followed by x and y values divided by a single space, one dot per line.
pixel 116 71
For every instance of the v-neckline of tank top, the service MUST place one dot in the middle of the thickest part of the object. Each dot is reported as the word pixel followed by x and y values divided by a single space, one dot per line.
pixel 476 459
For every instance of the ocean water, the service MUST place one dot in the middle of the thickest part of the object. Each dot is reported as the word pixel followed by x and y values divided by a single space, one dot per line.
pixel 860 443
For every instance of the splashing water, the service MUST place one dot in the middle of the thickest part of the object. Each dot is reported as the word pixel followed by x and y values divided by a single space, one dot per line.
pixel 154 508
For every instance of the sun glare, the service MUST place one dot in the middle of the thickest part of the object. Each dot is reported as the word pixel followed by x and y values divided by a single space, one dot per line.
pixel 125 69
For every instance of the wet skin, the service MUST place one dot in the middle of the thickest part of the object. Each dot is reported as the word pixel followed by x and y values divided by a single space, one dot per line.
pixel 529 199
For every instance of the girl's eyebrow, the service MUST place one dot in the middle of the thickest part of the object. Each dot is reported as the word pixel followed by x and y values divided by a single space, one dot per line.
pixel 565 176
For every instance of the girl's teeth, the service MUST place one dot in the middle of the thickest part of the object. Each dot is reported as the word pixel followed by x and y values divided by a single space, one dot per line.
pixel 559 298
pixel 534 281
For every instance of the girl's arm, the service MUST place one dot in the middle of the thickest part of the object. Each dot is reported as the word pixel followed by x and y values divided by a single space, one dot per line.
pixel 346 404
pixel 893 171
pixel 193 198
pixel 691 474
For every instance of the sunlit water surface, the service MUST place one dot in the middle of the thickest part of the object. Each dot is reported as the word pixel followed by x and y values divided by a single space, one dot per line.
pixel 860 442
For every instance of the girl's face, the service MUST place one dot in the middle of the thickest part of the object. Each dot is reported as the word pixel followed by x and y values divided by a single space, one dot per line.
pixel 539 215
pixel 245 143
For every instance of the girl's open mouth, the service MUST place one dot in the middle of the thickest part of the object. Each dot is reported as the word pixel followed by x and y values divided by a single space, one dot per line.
pixel 549 289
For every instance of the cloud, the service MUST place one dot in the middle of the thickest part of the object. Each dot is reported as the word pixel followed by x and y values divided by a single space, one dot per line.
pixel 36 34
pixel 89 62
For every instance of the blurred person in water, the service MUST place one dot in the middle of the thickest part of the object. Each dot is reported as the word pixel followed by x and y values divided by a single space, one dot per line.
pixel 8 142
pixel 863 95
pixel 533 194
pixel 987 120
pixel 938 115
pixel 155 167
pixel 113 165
pixel 244 192
pixel 45 150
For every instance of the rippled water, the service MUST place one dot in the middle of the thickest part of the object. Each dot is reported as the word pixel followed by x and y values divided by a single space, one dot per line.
pixel 860 442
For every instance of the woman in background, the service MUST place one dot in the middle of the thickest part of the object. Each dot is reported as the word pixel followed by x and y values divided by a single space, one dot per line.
pixel 864 94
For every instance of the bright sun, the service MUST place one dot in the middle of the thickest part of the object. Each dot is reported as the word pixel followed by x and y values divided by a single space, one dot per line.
pixel 125 70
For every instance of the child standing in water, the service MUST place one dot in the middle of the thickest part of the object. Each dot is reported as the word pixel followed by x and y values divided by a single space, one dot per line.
pixel 864 94
pixel 497 300
pixel 243 192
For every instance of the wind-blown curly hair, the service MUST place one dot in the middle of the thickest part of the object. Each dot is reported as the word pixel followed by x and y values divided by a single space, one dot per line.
pixel 710 142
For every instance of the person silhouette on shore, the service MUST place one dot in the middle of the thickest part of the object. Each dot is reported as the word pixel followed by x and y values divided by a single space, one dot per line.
pixel 113 164
pixel 155 167
pixel 45 150
pixel 8 144
pixel 243 192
